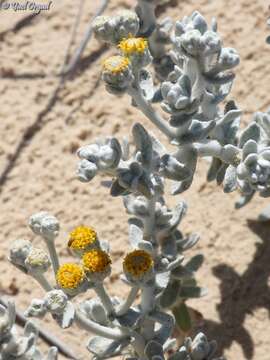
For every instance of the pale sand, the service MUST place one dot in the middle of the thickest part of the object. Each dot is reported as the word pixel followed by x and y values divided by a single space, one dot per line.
pixel 43 178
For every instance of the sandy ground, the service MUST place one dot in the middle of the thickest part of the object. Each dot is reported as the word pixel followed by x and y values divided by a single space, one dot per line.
pixel 236 248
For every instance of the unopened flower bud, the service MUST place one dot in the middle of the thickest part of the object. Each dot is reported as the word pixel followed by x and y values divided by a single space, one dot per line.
pixel 37 308
pixel 86 170
pixel 37 261
pixel 113 29
pixel 45 225
pixel 56 301
pixel 200 347
pixel 19 250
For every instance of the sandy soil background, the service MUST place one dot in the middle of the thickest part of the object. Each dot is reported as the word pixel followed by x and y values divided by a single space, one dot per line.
pixel 42 177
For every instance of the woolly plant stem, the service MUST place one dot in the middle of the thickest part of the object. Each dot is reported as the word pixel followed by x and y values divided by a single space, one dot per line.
pixel 43 282
pixel 147 303
pixel 100 330
pixel 129 301
pixel 215 149
pixel 53 254
pixel 150 113
pixel 104 297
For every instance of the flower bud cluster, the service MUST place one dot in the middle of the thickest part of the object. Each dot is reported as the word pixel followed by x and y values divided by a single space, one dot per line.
pixel 29 258
pixel 114 29
pixel 45 225
pixel 101 156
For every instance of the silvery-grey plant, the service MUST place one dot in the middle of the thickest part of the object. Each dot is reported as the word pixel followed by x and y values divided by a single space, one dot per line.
pixel 195 74
pixel 155 266
pixel 199 76
pixel 14 346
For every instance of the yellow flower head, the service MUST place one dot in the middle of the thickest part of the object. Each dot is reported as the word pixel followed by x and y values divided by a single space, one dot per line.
pixel 81 237
pixel 137 263
pixel 70 276
pixel 116 64
pixel 96 261
pixel 133 45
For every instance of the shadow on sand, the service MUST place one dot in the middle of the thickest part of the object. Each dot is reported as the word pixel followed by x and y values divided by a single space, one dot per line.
pixel 242 295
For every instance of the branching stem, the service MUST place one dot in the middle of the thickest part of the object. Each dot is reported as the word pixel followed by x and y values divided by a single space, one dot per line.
pixel 129 301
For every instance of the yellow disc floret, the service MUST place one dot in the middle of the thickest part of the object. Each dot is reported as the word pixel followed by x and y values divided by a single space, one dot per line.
pixel 116 64
pixel 81 237
pixel 96 261
pixel 70 276
pixel 133 45
pixel 137 263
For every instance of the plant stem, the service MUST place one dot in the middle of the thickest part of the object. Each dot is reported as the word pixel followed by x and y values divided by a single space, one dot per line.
pixel 104 297
pixel 147 304
pixel 129 301
pixel 150 220
pixel 53 254
pixel 149 112
pixel 215 149
pixel 100 330
pixel 43 282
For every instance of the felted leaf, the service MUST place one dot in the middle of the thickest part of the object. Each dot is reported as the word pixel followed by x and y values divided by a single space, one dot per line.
pixel 213 170
pixel 102 347
pixel 115 145
pixel 221 173
pixel 250 147
pixel 129 319
pixel 143 143
pixel 146 246
pixel 230 179
pixel 182 317
pixel 220 79
pixel 117 189
pixel 153 349
pixel 199 22
pixel 168 248
pixel 135 235
pixel 178 214
pixel 180 355
pixel 162 279
pixel 195 263
pixel 189 292
pixel 173 169
pixel 52 354
pixel 181 272
pixel 170 294
pixel 188 243
pixel 252 132
pixel 65 320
